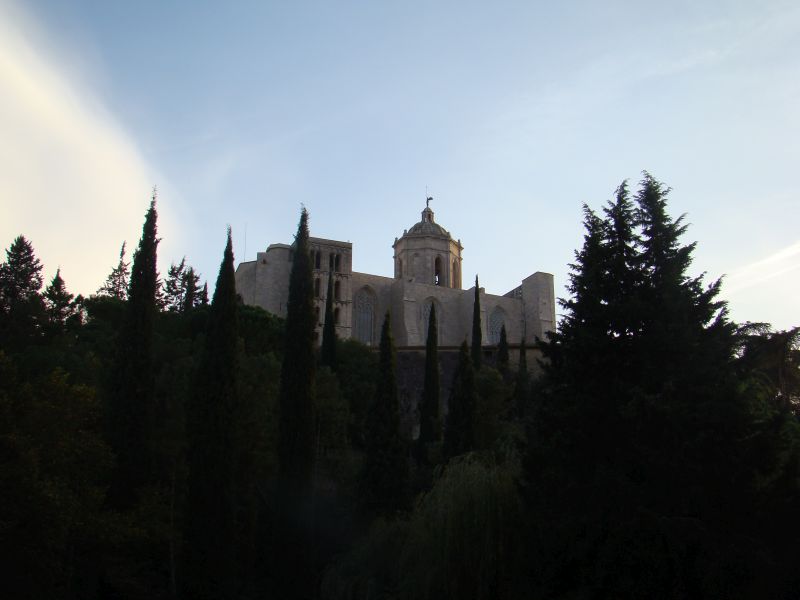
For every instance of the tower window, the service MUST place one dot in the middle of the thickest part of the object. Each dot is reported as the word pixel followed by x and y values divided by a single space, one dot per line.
pixel 437 271
pixel 337 288
pixel 337 264
pixel 336 316
pixel 317 258
pixel 316 287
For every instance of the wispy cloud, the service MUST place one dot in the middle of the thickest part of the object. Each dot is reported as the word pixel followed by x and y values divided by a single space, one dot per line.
pixel 71 179
pixel 773 266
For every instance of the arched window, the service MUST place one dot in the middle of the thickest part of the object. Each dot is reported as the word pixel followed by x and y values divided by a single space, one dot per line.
pixel 337 264
pixel 454 274
pixel 364 307
pixel 317 258
pixel 336 316
pixel 438 276
pixel 316 287
pixel 337 289
pixel 316 314
pixel 331 261
pixel 496 321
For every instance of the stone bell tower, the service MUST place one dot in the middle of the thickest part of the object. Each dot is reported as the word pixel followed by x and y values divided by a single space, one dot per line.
pixel 427 253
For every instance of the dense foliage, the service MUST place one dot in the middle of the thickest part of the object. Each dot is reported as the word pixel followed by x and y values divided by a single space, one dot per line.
pixel 155 446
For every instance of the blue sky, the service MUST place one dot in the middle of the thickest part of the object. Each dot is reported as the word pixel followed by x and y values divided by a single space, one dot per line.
pixel 512 114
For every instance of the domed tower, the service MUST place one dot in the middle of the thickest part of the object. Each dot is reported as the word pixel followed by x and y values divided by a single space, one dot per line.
pixel 427 253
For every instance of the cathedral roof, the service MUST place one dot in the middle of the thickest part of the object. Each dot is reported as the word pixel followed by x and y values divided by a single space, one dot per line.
pixel 427 226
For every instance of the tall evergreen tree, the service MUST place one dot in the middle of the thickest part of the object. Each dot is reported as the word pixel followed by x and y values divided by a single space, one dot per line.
pixel 191 290
pixel 116 284
pixel 502 351
pixel 476 328
pixel 328 349
pixel 131 401
pixel 58 301
pixel 20 274
pixel 211 550
pixel 295 446
pixel 522 386
pixel 459 434
pixel 385 472
pixel 204 295
pixel 430 429
pixel 175 286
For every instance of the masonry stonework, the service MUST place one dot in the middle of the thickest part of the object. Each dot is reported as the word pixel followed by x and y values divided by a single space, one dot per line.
pixel 427 272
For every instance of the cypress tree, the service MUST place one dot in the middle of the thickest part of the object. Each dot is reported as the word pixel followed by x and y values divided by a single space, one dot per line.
pixel 459 435
pixel 385 473
pixel 429 423
pixel 328 350
pixel 502 351
pixel 174 286
pixel 213 449
pixel 476 328
pixel 130 409
pixel 522 383
pixel 204 295
pixel 295 446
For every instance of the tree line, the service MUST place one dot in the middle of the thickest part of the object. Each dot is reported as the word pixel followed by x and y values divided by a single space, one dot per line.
pixel 155 444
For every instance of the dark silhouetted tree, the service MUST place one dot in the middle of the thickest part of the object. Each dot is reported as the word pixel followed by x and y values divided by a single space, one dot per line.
pixel 116 284
pixel 430 427
pixel 191 290
pixel 295 446
pixel 204 295
pixel 522 386
pixel 131 399
pixel 328 350
pixel 58 302
pixel 20 275
pixel 459 434
pixel 502 352
pixel 175 286
pixel 385 472
pixel 210 550
pixel 476 328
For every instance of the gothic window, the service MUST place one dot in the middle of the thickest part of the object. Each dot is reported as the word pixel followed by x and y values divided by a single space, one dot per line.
pixel 317 258
pixel 331 261
pixel 337 288
pixel 316 287
pixel 337 263
pixel 438 277
pixel 496 321
pixel 364 306
pixel 336 316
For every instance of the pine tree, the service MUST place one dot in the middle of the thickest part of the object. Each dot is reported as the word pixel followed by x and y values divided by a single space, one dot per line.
pixel 429 423
pixel 204 295
pixel 476 328
pixel 20 275
pixel 328 349
pixel 116 284
pixel 21 306
pixel 214 409
pixel 191 290
pixel 459 434
pixel 175 286
pixel 385 472
pixel 131 401
pixel 295 447
pixel 58 302
pixel 502 352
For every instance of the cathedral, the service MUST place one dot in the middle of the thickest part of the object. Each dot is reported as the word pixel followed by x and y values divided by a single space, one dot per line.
pixel 427 272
